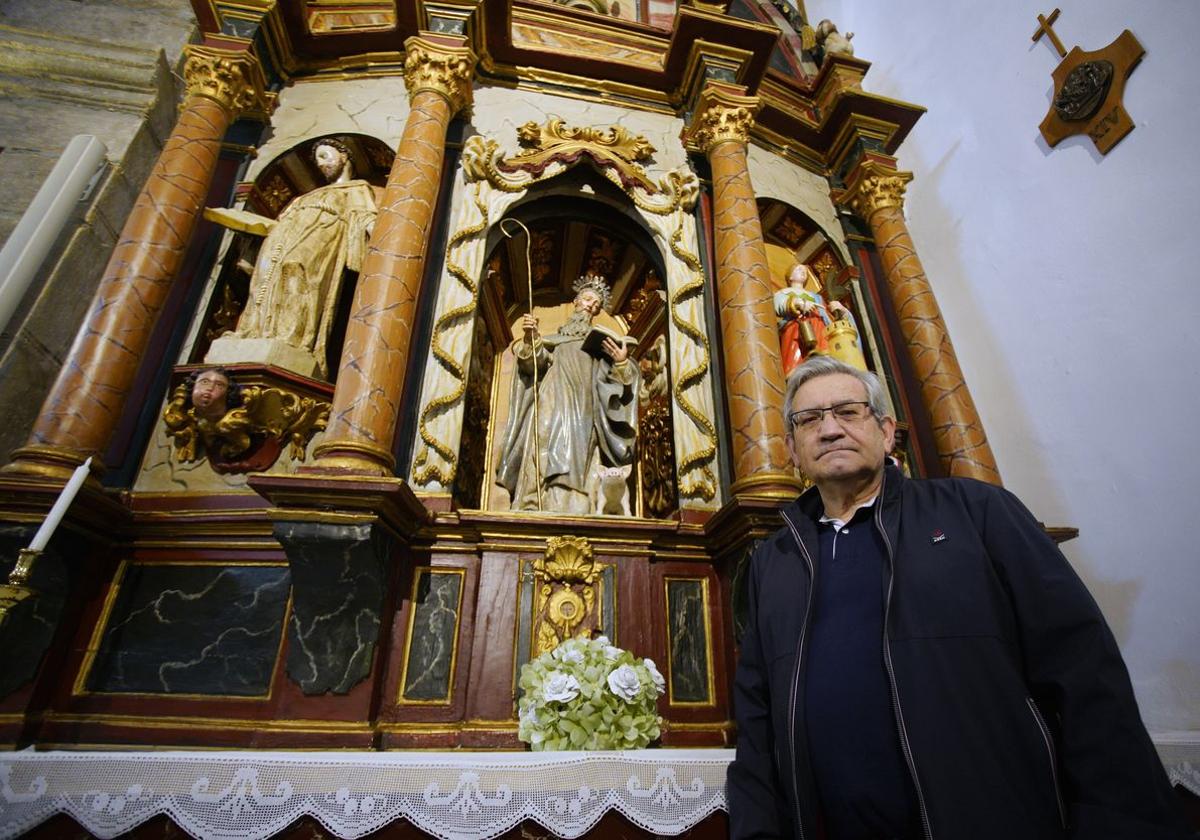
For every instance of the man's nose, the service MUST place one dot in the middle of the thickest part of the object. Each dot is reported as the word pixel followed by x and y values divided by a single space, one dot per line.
pixel 830 427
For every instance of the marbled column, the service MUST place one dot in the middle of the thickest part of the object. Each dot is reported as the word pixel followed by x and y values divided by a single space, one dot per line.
pixel 876 193
pixel 754 382
pixel 87 399
pixel 370 377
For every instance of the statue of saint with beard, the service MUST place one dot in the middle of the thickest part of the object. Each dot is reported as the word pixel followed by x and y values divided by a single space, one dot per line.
pixel 586 410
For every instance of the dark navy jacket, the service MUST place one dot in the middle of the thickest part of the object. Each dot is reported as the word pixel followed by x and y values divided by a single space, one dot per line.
pixel 1016 714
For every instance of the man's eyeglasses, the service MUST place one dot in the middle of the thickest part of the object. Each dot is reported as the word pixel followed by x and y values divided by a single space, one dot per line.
pixel 845 413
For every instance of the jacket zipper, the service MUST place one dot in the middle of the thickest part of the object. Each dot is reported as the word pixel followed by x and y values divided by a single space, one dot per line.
pixel 1041 723
pixel 891 671
pixel 812 581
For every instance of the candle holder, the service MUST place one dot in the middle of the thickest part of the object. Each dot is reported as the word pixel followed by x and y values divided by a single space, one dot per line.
pixel 17 589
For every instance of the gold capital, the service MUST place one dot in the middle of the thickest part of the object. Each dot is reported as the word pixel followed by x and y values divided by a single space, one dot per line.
pixel 445 70
pixel 873 186
pixel 721 117
pixel 232 78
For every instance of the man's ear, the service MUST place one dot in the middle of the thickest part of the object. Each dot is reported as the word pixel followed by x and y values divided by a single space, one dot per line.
pixel 888 424
pixel 790 441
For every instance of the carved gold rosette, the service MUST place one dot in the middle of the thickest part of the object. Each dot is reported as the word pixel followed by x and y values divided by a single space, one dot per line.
pixel 873 187
pixel 250 436
pixel 566 579
pixel 445 70
pixel 231 78
pixel 493 181
pixel 721 117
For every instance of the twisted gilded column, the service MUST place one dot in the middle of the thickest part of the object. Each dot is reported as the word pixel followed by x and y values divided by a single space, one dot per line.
pixel 754 382
pixel 366 402
pixel 876 193
pixel 87 399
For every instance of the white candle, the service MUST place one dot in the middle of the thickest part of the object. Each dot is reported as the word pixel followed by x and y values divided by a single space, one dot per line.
pixel 60 506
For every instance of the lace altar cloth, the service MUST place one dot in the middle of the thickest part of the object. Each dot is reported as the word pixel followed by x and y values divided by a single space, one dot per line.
pixel 449 795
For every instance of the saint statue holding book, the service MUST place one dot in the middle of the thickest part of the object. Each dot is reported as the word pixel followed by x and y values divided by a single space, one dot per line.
pixel 585 415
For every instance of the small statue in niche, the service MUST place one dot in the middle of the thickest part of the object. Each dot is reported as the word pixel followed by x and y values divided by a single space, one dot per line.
pixel 587 409
pixel 297 278
pixel 831 41
pixel 611 491
pixel 239 428
pixel 805 319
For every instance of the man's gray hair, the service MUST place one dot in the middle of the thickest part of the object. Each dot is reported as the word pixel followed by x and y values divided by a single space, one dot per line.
pixel 817 366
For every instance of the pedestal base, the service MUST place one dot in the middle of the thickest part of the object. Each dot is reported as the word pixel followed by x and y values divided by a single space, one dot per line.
pixel 232 349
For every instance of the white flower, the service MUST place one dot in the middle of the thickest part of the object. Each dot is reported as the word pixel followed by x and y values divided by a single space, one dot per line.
pixel 560 687
pixel 573 656
pixel 612 654
pixel 602 640
pixel 568 647
pixel 659 682
pixel 624 683
pixel 529 717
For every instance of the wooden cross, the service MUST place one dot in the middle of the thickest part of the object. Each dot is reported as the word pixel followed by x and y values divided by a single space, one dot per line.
pixel 1046 28
pixel 1088 88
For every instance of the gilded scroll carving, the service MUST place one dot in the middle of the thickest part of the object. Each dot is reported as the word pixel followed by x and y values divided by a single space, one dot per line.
pixel 877 189
pixel 446 71
pixel 721 117
pixel 566 580
pixel 231 78
pixel 492 182
pixel 556 141
pixel 244 431
pixel 656 445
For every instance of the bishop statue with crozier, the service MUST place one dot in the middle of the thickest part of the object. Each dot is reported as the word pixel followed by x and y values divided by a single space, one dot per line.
pixel 585 415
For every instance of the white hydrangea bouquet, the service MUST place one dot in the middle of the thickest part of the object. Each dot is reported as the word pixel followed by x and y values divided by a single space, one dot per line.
pixel 588 694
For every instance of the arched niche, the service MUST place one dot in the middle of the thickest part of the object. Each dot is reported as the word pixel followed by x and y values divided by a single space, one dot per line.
pixel 578 224
pixel 792 236
pixel 493 184
pixel 288 176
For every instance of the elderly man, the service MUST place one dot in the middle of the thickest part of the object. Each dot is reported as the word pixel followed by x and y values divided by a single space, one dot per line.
pixel 920 661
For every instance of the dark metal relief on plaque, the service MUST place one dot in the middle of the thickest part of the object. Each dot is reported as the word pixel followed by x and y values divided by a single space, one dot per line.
pixel 177 629
pixel 689 677
pixel 434 613
pixel 1084 90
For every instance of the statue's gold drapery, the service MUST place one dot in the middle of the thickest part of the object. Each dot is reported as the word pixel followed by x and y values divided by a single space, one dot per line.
pixel 491 183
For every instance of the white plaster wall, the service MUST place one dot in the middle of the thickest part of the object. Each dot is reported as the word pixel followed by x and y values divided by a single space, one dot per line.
pixel 773 177
pixel 377 107
pixel 1068 284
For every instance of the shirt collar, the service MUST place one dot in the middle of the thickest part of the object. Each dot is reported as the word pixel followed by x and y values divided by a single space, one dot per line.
pixel 839 524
